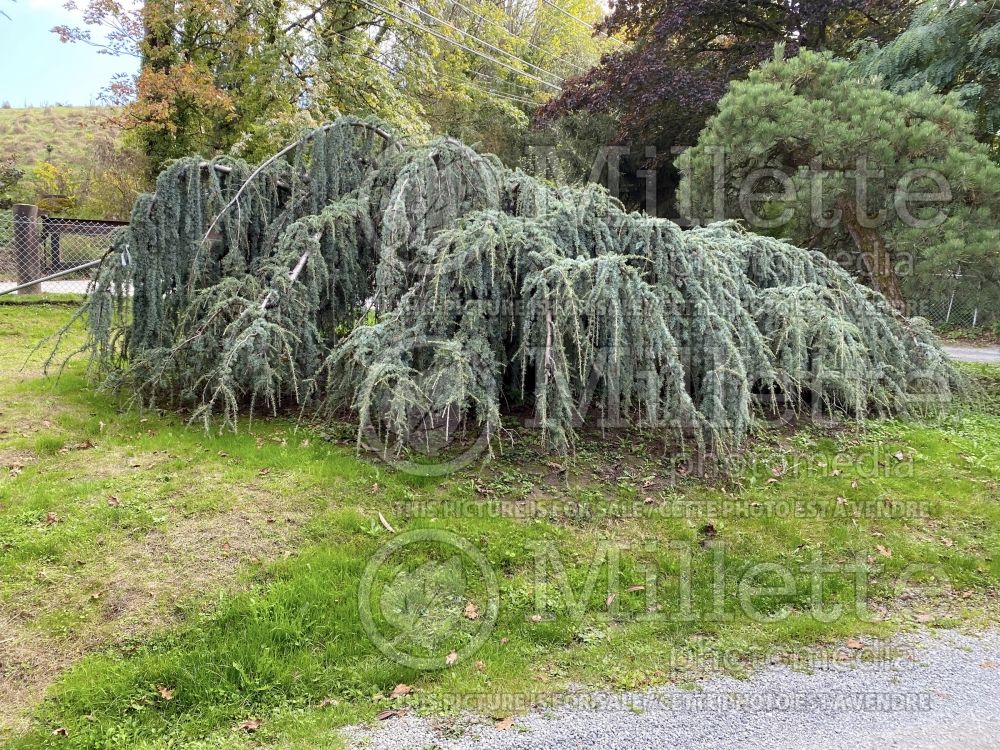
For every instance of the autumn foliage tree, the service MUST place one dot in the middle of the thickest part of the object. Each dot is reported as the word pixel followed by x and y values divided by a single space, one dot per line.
pixel 244 76
pixel 210 70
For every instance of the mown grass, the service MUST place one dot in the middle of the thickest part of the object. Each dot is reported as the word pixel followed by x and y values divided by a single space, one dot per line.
pixel 186 583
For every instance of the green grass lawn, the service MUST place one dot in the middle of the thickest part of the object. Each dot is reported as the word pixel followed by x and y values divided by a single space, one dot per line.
pixel 162 587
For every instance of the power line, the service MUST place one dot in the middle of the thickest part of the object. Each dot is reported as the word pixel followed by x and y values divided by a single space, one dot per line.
pixel 502 95
pixel 417 25
pixel 481 40
pixel 522 89
pixel 511 34
pixel 580 21
pixel 491 92
pixel 501 82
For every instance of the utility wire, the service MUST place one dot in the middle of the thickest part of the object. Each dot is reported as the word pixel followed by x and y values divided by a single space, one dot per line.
pixel 482 41
pixel 521 88
pixel 511 34
pixel 501 94
pixel 513 96
pixel 417 25
pixel 580 21
pixel 517 95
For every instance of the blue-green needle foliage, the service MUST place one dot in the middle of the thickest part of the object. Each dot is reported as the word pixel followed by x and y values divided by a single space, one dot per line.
pixel 436 289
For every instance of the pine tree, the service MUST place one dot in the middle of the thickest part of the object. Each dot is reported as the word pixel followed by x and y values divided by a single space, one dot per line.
pixel 800 131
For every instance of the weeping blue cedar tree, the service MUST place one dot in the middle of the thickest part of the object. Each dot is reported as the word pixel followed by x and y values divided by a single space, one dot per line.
pixel 426 287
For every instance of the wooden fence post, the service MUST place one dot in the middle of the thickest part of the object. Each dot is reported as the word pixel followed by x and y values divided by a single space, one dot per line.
pixel 27 247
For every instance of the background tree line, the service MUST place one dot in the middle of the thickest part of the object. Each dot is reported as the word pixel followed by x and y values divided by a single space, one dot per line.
pixel 912 84
pixel 244 76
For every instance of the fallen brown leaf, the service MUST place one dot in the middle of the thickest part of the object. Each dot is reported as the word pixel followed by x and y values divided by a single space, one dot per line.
pixel 471 612
pixel 400 690
pixel 884 551
pixel 451 659
pixel 249 726
pixel 113 501
pixel 166 693
pixel 390 713
pixel 504 724
pixel 854 644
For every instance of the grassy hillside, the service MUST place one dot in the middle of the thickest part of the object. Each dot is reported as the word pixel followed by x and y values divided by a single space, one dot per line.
pixel 73 159
pixel 71 132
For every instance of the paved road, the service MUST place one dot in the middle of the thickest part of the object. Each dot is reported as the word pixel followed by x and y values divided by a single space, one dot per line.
pixel 60 286
pixel 944 694
pixel 988 354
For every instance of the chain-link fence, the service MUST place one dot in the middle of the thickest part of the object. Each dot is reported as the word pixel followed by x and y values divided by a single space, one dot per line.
pixel 959 300
pixel 956 310
pixel 49 254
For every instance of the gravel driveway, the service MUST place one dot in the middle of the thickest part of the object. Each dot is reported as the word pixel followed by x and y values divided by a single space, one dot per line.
pixel 944 694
